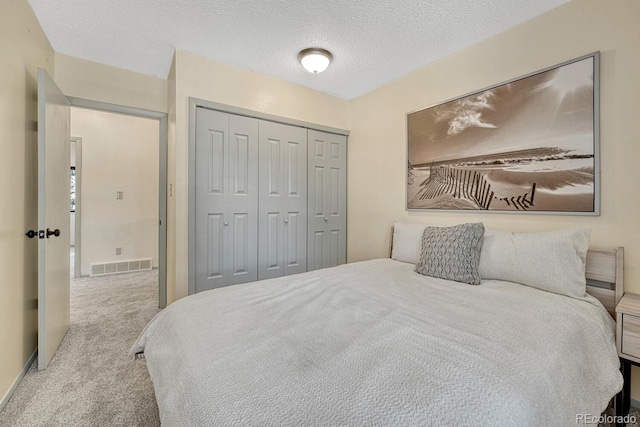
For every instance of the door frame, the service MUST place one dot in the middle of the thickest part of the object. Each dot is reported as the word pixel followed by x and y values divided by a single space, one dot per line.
pixel 78 212
pixel 195 103
pixel 162 167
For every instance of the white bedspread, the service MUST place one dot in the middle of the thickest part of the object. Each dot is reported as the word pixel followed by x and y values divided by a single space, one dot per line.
pixel 373 343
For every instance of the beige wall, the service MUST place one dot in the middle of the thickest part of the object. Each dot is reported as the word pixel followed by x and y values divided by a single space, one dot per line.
pixel 206 79
pixel 377 145
pixel 119 153
pixel 23 48
pixel 98 82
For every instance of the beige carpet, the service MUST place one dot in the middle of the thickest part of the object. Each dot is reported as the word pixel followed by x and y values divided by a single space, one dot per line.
pixel 91 380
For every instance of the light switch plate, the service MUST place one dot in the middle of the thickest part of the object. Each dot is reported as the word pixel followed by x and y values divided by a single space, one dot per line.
pixel 119 195
pixel 118 251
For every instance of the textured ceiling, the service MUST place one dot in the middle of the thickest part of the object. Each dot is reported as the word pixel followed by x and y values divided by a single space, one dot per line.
pixel 373 41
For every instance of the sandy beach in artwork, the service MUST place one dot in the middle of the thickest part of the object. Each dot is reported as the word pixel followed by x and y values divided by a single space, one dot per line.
pixel 549 181
pixel 559 190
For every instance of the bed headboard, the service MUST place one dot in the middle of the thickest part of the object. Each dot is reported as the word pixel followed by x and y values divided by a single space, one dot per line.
pixel 605 276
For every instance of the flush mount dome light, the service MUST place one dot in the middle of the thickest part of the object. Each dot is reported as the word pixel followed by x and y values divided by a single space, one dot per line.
pixel 314 59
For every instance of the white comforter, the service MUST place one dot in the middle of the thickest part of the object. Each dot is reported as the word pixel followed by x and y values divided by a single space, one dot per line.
pixel 373 343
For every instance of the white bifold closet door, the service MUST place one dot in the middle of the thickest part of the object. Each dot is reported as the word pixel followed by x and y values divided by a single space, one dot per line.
pixel 282 202
pixel 226 202
pixel 327 200
pixel 270 199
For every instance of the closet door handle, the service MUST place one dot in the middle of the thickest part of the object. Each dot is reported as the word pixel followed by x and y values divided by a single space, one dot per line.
pixel 226 223
pixel 286 221
pixel 326 219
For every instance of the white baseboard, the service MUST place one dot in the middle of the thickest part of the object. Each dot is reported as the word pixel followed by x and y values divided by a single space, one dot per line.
pixel 16 382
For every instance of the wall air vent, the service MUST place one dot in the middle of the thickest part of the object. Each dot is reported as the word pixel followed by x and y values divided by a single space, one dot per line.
pixel 117 267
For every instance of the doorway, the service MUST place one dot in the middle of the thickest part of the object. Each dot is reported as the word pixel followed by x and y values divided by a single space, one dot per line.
pixel 134 252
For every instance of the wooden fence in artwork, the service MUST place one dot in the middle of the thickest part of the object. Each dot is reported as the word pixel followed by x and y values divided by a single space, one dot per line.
pixel 470 185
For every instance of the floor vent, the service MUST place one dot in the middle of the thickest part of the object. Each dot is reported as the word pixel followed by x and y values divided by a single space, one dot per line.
pixel 118 267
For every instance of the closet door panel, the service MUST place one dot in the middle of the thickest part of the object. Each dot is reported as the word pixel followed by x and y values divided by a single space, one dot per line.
pixel 295 183
pixel 317 156
pixel 226 199
pixel 215 246
pixel 316 192
pixel 273 169
pixel 215 166
pixel 270 199
pixel 272 250
pixel 294 256
pixel 336 251
pixel 282 200
pixel 336 194
pixel 212 142
pixel 295 175
pixel 316 250
pixel 239 165
pixel 327 200
pixel 243 199
pixel 242 259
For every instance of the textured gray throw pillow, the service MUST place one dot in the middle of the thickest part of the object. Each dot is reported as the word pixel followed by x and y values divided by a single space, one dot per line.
pixel 452 253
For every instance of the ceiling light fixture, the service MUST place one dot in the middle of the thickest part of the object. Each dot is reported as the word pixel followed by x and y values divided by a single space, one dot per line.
pixel 314 59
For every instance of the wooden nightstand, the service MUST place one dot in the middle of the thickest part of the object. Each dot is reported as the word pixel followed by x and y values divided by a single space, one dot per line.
pixel 628 327
pixel 628 344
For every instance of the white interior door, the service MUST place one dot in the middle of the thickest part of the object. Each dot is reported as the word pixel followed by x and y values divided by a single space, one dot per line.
pixel 53 217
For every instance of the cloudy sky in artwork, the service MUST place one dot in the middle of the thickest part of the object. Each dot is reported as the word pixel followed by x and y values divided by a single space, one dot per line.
pixel 549 109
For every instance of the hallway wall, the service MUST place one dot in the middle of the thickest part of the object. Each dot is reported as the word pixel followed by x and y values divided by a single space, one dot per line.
pixel 119 153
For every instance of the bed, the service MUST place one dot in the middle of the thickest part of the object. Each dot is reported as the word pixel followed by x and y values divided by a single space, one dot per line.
pixel 375 343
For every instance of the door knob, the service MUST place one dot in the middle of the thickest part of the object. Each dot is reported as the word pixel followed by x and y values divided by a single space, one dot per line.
pixel 226 223
pixel 286 221
pixel 55 233
pixel 32 233
pixel 326 219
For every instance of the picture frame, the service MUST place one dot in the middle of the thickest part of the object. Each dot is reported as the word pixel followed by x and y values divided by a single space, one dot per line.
pixel 527 145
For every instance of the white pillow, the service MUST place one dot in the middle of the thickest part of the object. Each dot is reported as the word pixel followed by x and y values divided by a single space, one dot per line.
pixel 553 261
pixel 407 241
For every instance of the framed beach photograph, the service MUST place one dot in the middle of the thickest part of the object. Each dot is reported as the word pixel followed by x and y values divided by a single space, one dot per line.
pixel 527 145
